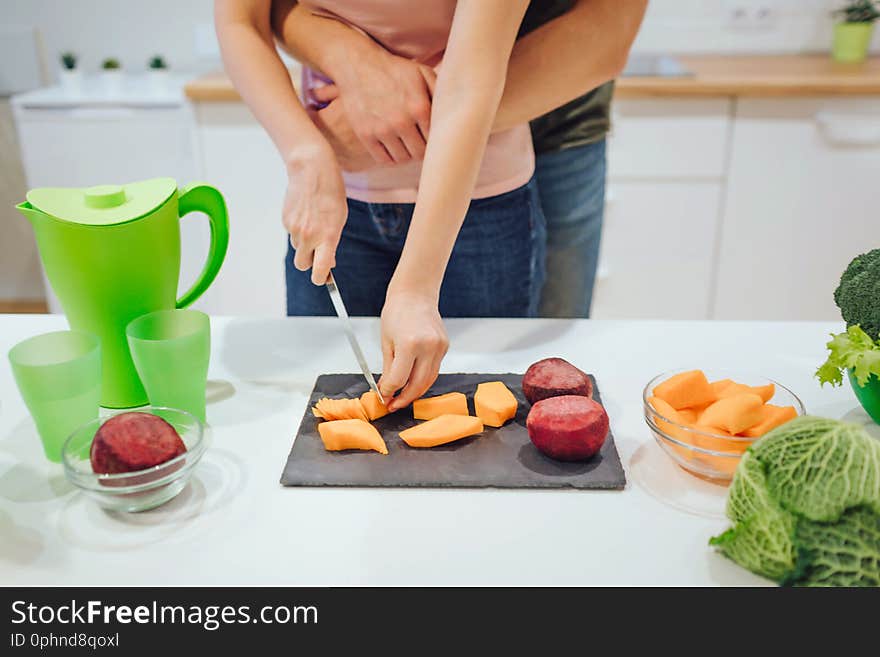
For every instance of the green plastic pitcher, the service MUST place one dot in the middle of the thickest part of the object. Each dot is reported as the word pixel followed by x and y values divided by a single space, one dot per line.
pixel 112 253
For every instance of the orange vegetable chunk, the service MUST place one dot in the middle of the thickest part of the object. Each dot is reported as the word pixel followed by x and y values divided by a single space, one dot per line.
pixel 771 417
pixel 687 415
pixel 372 406
pixel 685 390
pixel 494 403
pixel 720 386
pixel 765 392
pixel 340 409
pixel 734 414
pixel 351 434
pixel 452 403
pixel 441 430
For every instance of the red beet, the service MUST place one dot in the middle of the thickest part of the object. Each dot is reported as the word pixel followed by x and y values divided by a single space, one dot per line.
pixel 134 441
pixel 554 377
pixel 568 428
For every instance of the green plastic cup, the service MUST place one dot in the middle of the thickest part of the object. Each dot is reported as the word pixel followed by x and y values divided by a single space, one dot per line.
pixel 59 377
pixel 171 350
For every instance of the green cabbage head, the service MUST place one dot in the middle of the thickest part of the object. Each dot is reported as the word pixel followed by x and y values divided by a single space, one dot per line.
pixel 805 506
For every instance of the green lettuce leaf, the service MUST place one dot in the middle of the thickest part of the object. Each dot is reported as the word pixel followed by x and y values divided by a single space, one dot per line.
pixel 853 350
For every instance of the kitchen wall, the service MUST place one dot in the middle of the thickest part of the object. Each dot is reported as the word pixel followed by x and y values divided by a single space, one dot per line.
pixel 133 31
pixel 739 26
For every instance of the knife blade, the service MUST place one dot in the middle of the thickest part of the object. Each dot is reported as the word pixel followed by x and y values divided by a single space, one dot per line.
pixel 348 329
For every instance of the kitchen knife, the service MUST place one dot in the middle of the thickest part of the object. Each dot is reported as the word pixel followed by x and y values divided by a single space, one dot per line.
pixel 342 313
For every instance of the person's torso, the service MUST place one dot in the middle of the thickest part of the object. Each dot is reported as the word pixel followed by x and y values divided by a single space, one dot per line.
pixel 420 31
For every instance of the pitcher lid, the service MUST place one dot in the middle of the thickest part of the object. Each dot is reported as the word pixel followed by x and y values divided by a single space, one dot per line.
pixel 103 205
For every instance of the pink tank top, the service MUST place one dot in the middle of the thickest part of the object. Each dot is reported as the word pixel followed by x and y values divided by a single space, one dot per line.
pixel 419 31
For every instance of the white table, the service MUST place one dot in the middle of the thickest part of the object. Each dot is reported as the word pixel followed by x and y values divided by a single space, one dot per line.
pixel 235 524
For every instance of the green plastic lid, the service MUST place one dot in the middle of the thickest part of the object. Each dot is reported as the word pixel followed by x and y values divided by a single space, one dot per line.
pixel 103 205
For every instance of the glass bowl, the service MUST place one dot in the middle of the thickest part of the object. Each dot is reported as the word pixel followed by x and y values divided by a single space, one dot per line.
pixel 142 489
pixel 703 453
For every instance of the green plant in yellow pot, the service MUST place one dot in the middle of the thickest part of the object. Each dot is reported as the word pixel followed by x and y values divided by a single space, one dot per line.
pixel 852 35
pixel 857 351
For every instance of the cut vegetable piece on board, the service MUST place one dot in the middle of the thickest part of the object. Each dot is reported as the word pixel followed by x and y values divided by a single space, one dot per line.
pixel 340 409
pixel 441 430
pixel 734 414
pixel 452 403
pixel 351 434
pixel 555 377
pixel 494 403
pixel 685 390
pixel 771 417
pixel 372 406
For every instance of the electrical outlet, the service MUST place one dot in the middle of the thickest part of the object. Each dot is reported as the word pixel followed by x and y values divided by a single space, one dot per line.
pixel 750 16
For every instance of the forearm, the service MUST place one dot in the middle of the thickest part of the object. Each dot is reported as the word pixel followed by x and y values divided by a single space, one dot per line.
pixel 459 131
pixel 264 83
pixel 567 57
pixel 323 44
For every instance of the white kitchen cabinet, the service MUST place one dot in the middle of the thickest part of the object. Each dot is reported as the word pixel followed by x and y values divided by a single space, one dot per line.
pixel 802 200
pixel 238 158
pixel 657 250
pixel 666 167
pixel 664 139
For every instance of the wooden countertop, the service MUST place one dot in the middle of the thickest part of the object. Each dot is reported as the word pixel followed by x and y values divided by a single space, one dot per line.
pixel 755 76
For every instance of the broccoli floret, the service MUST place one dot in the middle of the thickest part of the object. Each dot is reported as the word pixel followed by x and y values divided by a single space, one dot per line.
pixel 858 295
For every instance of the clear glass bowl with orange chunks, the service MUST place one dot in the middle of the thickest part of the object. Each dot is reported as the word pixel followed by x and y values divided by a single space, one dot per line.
pixel 705 420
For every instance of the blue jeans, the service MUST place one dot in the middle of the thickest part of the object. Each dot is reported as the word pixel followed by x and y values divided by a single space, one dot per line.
pixel 571 184
pixel 496 268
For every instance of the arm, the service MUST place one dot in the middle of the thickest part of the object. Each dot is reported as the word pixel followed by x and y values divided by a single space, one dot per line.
pixel 567 57
pixel 314 208
pixel 391 132
pixel 469 88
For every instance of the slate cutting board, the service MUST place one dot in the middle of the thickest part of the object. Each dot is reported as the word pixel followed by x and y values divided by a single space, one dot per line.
pixel 500 458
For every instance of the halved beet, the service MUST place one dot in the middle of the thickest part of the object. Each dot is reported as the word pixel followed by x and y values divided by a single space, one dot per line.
pixel 554 377
pixel 134 441
pixel 568 428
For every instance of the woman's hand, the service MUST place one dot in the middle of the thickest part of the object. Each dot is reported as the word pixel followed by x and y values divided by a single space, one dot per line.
pixel 315 209
pixel 387 101
pixel 333 123
pixel 414 342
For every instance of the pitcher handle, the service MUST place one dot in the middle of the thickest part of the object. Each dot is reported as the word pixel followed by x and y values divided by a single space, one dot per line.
pixel 199 197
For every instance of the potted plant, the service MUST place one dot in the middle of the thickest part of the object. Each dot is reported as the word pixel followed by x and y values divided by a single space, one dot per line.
pixel 852 35
pixel 157 72
pixel 111 75
pixel 69 75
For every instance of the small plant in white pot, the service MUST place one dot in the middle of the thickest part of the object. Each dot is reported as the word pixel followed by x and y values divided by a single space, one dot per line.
pixel 852 34
pixel 111 75
pixel 69 75
pixel 157 72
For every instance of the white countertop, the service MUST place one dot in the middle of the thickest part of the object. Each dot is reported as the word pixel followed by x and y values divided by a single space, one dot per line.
pixel 235 524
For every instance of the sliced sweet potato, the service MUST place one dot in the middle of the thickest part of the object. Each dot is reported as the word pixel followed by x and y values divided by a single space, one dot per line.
pixel 452 403
pixel 764 392
pixel 351 434
pixel 441 430
pixel 771 417
pixel 372 406
pixel 340 409
pixel 733 414
pixel 494 403
pixel 685 390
